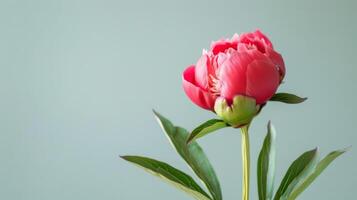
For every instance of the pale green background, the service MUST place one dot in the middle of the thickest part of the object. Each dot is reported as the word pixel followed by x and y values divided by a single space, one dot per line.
pixel 78 80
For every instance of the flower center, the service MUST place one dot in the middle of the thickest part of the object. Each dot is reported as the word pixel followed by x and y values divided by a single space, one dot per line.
pixel 214 85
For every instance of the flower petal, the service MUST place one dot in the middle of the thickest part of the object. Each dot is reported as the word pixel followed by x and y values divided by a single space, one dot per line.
pixel 232 76
pixel 262 80
pixel 257 39
pixel 261 36
pixel 278 61
pixel 233 72
pixel 224 44
pixel 197 95
pixel 202 71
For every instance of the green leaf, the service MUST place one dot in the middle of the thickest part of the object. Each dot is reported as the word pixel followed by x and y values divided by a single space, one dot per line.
pixel 266 166
pixel 297 172
pixel 205 128
pixel 287 98
pixel 170 174
pixel 193 155
pixel 321 166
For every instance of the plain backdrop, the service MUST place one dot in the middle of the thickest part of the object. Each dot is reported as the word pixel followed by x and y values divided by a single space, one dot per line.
pixel 78 80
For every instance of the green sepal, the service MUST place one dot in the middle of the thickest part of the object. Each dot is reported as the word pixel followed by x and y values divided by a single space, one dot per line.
pixel 239 113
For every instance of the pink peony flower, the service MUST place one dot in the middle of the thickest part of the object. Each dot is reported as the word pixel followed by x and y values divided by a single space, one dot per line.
pixel 245 65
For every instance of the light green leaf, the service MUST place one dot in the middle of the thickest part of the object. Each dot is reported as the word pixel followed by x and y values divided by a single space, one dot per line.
pixel 193 155
pixel 297 172
pixel 170 174
pixel 287 98
pixel 266 166
pixel 321 166
pixel 205 128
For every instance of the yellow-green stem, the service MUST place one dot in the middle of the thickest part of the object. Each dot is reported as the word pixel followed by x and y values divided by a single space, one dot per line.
pixel 246 162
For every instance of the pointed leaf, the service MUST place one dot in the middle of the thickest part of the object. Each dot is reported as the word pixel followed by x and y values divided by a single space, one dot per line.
pixel 321 166
pixel 287 98
pixel 298 170
pixel 170 174
pixel 193 155
pixel 266 166
pixel 205 128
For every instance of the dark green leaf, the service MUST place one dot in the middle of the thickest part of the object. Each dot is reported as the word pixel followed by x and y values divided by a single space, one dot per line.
pixel 297 172
pixel 321 166
pixel 266 166
pixel 193 154
pixel 205 128
pixel 287 98
pixel 170 174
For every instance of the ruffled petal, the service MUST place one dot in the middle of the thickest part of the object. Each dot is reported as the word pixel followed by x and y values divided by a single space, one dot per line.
pixel 197 95
pixel 261 36
pixel 257 39
pixel 224 44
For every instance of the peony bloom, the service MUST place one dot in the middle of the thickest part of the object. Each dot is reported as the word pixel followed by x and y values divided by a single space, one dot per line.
pixel 235 75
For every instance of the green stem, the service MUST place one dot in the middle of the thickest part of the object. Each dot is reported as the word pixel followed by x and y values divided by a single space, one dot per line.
pixel 246 162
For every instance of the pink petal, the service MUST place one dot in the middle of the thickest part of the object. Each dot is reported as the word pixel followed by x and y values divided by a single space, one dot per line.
pixel 232 76
pixel 278 61
pixel 235 38
pixel 202 71
pixel 197 95
pixel 233 72
pixel 224 44
pixel 261 36
pixel 257 39
pixel 262 80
